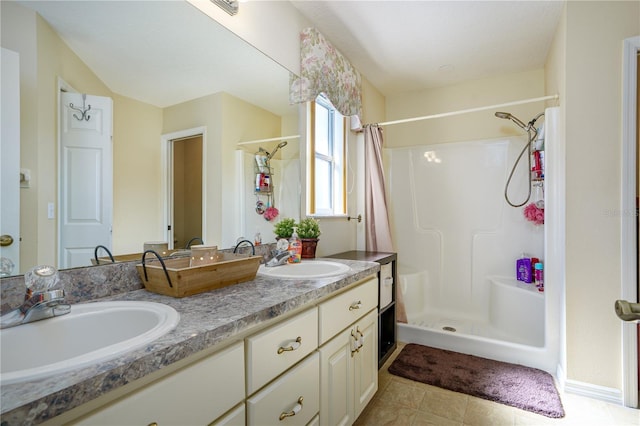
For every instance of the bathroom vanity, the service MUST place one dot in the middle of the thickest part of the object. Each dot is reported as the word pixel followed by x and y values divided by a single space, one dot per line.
pixel 253 353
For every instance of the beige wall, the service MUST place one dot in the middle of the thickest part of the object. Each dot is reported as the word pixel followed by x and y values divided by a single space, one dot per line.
pixel 592 108
pixel 373 103
pixel 137 175
pixel 471 94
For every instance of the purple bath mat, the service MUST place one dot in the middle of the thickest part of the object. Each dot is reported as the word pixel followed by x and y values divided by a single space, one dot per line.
pixel 515 385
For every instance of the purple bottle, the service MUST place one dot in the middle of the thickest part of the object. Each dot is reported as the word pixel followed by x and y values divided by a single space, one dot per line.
pixel 523 269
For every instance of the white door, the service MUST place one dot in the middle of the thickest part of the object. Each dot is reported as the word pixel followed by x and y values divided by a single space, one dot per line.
pixel 10 164
pixel 86 178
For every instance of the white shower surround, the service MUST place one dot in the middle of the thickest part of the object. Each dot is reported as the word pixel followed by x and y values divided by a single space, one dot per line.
pixel 457 242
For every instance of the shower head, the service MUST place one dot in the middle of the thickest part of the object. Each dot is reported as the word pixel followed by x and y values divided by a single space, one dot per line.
pixel 508 116
pixel 280 145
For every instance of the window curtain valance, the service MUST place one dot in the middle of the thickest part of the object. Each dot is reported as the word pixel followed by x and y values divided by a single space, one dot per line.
pixel 324 70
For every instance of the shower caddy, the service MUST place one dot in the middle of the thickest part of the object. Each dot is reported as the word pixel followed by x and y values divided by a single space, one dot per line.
pixel 264 182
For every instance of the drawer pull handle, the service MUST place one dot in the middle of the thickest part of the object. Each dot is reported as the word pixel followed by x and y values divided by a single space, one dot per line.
pixel 153 424
pixel 295 345
pixel 357 342
pixel 355 305
pixel 296 409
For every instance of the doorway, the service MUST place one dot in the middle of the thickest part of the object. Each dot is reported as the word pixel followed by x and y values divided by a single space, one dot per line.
pixel 187 190
pixel 185 201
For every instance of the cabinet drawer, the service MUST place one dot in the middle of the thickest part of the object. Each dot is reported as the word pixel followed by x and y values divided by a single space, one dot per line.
pixel 276 349
pixel 234 418
pixel 193 395
pixel 338 313
pixel 281 397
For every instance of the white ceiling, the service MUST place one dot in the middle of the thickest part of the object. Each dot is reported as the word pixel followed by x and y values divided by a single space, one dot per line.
pixel 401 46
pixel 167 52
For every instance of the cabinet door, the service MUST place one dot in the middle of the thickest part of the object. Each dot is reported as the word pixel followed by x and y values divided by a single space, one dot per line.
pixel 366 363
pixel 195 395
pixel 336 380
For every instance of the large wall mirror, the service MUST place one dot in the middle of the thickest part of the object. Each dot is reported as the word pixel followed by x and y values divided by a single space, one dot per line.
pixel 171 73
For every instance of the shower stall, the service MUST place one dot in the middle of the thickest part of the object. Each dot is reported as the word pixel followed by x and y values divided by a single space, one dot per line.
pixel 458 240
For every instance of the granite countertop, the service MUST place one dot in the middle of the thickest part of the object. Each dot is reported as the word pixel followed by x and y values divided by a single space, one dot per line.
pixel 206 319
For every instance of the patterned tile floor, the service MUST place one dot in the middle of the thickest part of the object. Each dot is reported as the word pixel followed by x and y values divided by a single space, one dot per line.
pixel 404 402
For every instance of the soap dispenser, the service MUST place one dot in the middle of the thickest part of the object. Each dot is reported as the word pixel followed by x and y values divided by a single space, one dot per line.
pixel 295 247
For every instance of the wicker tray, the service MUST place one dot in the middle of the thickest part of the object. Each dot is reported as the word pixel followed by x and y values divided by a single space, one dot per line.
pixel 180 280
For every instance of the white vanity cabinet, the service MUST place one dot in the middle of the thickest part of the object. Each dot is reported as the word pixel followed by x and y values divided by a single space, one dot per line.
pixel 316 366
pixel 349 360
pixel 197 394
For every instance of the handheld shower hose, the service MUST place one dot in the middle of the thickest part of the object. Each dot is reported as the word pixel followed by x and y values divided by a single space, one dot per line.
pixel 532 132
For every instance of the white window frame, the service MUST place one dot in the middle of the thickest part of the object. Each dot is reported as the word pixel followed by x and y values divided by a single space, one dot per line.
pixel 337 132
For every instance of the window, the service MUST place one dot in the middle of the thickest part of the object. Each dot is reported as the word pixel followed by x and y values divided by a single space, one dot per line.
pixel 326 160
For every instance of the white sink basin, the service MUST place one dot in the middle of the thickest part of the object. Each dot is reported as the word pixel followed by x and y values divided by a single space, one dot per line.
pixel 307 269
pixel 90 333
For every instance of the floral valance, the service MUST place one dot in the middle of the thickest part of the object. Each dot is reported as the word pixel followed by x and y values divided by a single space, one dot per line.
pixel 324 70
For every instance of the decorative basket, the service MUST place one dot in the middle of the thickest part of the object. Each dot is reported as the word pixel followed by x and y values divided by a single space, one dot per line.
pixel 175 278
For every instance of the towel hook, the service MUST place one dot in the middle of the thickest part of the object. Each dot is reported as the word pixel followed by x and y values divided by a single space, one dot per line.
pixel 82 111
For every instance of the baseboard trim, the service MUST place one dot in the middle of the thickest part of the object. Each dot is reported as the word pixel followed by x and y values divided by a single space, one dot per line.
pixel 601 393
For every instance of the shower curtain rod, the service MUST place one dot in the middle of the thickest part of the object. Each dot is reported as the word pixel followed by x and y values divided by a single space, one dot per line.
pixel 464 111
pixel 269 140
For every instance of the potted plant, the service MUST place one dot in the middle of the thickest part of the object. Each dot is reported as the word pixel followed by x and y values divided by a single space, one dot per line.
pixel 309 231
pixel 284 228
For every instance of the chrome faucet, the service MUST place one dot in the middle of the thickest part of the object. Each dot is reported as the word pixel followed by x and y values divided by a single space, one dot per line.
pixel 41 300
pixel 280 255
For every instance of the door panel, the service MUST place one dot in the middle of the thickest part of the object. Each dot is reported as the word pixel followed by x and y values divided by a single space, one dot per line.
pixel 86 179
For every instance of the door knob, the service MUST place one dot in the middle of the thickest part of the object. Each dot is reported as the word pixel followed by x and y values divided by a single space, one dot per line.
pixel 6 240
pixel 627 311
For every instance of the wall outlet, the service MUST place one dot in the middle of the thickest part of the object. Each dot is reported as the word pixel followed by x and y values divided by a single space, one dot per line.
pixel 50 211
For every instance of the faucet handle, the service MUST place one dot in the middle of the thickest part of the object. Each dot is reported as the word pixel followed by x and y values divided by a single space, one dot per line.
pixel 40 279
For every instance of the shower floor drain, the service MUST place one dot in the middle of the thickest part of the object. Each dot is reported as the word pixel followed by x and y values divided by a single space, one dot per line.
pixel 451 329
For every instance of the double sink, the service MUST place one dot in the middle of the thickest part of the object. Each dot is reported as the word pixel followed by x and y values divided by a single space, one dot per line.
pixel 99 331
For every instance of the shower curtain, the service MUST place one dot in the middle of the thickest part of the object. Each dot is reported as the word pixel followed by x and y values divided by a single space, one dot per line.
pixel 377 230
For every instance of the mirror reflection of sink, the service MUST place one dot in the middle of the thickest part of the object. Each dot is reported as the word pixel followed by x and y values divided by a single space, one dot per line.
pixel 308 269
pixel 90 333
